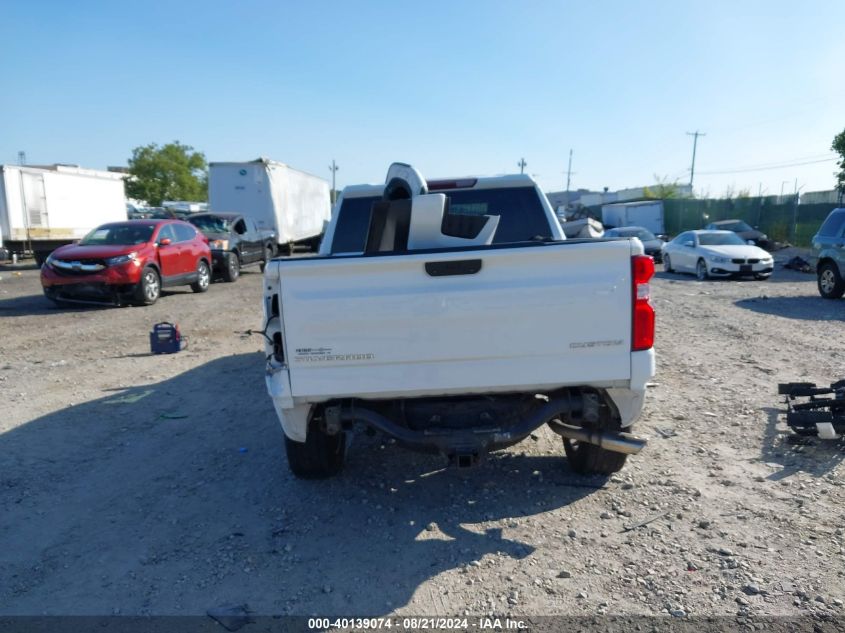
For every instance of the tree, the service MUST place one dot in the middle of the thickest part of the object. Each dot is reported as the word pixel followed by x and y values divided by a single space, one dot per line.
pixel 171 172
pixel 839 147
pixel 662 190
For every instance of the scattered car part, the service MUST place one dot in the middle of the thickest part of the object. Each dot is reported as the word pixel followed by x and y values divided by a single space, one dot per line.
pixel 820 416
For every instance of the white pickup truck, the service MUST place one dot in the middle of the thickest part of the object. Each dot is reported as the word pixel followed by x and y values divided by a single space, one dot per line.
pixel 455 317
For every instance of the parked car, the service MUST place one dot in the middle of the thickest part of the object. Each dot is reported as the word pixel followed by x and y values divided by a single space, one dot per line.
pixel 128 262
pixel 716 254
pixel 453 316
pixel 235 241
pixel 829 248
pixel 747 233
pixel 651 243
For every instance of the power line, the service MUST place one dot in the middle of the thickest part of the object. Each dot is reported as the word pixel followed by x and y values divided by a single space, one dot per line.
pixel 769 167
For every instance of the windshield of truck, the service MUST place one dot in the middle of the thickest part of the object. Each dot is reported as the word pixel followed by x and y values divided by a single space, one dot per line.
pixel 719 239
pixel 521 216
pixel 211 223
pixel 119 235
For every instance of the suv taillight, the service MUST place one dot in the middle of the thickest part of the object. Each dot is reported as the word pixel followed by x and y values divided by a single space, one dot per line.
pixel 642 329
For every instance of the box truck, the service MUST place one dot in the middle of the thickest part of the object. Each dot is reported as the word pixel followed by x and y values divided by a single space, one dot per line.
pixel 44 207
pixel 646 213
pixel 292 203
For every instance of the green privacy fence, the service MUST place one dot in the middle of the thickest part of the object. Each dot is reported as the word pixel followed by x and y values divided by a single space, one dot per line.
pixel 783 221
pixel 780 218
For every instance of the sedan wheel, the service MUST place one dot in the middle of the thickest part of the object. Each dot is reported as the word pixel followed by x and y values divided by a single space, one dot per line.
pixel 667 264
pixel 701 270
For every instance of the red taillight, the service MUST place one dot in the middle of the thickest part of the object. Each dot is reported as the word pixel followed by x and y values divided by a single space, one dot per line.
pixel 642 330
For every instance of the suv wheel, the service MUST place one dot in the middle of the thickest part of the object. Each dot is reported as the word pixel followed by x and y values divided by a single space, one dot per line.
pixel 203 277
pixel 149 288
pixel 831 285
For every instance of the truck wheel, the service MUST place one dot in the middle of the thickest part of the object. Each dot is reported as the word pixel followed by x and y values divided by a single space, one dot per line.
pixel 149 288
pixel 589 459
pixel 831 285
pixel 319 456
pixel 203 278
pixel 233 268
pixel 268 255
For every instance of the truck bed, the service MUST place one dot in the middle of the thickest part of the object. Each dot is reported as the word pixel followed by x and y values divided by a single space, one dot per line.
pixel 533 316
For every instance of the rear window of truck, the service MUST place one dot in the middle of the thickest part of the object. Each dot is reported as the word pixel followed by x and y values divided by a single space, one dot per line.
pixel 521 216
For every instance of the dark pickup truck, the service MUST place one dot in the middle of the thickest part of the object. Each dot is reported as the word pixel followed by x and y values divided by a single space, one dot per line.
pixel 235 241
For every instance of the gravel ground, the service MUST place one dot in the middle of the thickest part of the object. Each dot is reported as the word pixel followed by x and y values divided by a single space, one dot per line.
pixel 135 484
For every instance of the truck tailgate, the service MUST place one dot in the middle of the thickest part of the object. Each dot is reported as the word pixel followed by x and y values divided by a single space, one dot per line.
pixel 537 316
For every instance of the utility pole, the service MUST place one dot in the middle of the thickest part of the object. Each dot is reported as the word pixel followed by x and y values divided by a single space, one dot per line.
pixel 568 175
pixel 21 158
pixel 522 164
pixel 695 136
pixel 333 167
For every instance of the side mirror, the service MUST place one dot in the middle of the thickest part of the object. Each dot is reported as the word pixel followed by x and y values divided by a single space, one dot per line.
pixel 164 242
pixel 689 244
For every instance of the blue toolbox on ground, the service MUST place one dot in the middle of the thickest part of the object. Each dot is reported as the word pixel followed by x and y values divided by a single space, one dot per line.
pixel 166 339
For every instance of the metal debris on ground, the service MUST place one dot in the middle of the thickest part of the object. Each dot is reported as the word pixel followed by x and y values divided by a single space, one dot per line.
pixel 818 415
pixel 800 264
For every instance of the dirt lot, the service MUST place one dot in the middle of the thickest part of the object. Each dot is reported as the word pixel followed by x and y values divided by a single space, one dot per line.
pixel 136 484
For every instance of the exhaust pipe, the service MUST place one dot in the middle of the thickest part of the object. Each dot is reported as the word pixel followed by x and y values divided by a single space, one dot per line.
pixel 616 442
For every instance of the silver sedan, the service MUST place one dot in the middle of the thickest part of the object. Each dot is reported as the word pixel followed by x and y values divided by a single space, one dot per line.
pixel 709 254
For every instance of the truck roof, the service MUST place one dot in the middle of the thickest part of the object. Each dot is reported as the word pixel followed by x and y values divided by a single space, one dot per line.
pixel 445 184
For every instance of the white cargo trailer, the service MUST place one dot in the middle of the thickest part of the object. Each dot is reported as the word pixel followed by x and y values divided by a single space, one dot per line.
pixel 42 208
pixel 292 203
pixel 647 214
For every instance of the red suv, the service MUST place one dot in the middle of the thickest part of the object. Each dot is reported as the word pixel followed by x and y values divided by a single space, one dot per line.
pixel 128 262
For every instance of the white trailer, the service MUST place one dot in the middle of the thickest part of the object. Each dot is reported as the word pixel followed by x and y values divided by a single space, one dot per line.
pixel 292 203
pixel 42 208
pixel 647 214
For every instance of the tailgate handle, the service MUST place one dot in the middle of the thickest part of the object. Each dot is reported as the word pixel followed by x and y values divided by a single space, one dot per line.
pixel 455 267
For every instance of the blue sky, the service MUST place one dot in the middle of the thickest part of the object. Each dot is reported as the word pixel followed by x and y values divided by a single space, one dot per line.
pixel 456 88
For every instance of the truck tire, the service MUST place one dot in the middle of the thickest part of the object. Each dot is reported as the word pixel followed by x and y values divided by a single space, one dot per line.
pixel 830 282
pixel 268 255
pixel 233 268
pixel 589 459
pixel 149 288
pixel 203 277
pixel 320 456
